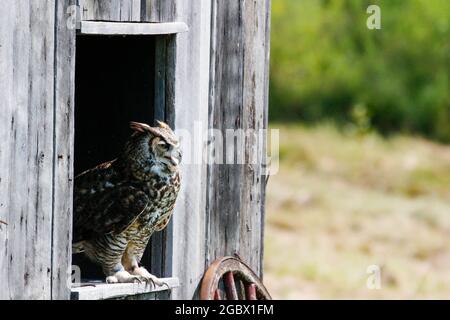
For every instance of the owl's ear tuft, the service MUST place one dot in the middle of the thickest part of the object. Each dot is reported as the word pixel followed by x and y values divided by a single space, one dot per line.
pixel 162 124
pixel 139 127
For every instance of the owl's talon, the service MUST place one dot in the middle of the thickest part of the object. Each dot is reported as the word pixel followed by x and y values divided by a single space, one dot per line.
pixel 149 278
pixel 157 282
pixel 142 279
pixel 124 277
pixel 149 281
pixel 165 284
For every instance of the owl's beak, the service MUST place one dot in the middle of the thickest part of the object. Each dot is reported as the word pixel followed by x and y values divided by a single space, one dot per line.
pixel 174 157
pixel 174 161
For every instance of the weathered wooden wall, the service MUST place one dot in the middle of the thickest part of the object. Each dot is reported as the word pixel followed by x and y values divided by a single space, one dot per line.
pixel 221 83
pixel 36 149
pixel 63 168
pixel 26 152
pixel 190 114
pixel 238 100
pixel 216 77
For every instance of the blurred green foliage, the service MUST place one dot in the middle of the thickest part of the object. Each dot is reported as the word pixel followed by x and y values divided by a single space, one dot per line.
pixel 327 65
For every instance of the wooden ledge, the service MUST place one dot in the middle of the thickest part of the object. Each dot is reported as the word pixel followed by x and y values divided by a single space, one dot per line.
pixel 131 28
pixel 97 290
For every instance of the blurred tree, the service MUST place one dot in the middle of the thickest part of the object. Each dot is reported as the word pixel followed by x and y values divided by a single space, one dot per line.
pixel 325 62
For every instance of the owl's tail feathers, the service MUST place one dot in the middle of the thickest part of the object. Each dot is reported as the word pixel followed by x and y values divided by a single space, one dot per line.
pixel 77 247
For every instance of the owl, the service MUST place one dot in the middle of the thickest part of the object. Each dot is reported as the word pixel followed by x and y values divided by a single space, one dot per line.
pixel 119 204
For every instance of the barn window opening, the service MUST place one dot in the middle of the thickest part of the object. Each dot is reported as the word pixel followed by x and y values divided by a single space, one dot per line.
pixel 114 84
pixel 118 79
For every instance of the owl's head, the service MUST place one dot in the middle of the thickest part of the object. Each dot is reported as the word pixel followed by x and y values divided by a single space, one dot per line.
pixel 152 150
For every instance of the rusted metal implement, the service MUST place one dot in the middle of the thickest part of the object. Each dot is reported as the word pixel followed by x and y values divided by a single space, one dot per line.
pixel 228 278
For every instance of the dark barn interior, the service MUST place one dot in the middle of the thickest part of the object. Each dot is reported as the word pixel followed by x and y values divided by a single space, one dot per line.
pixel 114 84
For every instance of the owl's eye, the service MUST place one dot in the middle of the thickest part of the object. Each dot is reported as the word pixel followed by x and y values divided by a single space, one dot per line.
pixel 162 145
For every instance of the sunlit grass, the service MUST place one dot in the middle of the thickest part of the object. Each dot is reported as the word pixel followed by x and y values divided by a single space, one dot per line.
pixel 342 202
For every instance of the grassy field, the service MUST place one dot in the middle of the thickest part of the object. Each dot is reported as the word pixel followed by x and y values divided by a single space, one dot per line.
pixel 344 201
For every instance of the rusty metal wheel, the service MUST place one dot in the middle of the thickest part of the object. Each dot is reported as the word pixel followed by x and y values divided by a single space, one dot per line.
pixel 228 278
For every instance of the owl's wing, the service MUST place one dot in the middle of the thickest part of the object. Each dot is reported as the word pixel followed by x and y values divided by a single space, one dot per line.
pixel 110 211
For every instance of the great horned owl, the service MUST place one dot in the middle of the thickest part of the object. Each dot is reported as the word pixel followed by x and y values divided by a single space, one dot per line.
pixel 119 204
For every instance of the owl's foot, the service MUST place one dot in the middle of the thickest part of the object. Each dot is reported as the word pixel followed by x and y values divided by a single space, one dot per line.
pixel 124 277
pixel 147 277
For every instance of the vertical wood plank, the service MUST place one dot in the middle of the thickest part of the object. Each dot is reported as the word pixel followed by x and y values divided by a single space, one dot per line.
pixel 26 96
pixel 256 44
pixel 40 149
pixel 6 136
pixel 63 153
pixel 226 111
pixel 160 78
pixel 150 10
pixel 190 105
pixel 17 165
pixel 129 10
pixel 161 242
pixel 165 63
pixel 159 10
pixel 104 10
pixel 267 20
pixel 238 100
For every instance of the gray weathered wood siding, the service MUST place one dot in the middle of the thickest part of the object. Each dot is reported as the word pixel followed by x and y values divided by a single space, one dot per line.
pixel 36 101
pixel 129 10
pixel 190 112
pixel 26 152
pixel 238 100
pixel 63 151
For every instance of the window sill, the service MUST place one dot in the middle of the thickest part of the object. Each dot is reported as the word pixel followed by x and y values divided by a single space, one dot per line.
pixel 96 290
pixel 131 28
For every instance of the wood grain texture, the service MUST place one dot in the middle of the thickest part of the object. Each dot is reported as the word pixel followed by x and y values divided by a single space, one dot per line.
pixel 256 29
pixel 265 124
pixel 26 98
pixel 162 242
pixel 6 126
pixel 158 254
pixel 63 152
pixel 223 199
pixel 188 108
pixel 101 291
pixel 159 10
pixel 102 10
pixel 238 100
pixel 129 10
